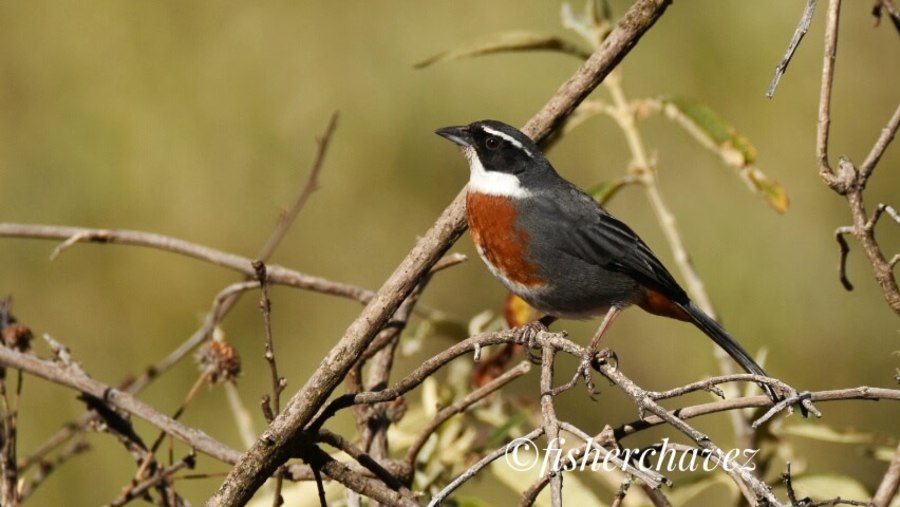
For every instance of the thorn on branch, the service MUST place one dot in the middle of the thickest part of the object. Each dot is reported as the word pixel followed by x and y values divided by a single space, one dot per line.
pixel 95 236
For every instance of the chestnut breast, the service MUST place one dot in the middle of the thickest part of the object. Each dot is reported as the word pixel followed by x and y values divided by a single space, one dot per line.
pixel 502 246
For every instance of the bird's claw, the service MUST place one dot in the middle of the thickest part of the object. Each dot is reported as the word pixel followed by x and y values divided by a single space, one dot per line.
pixel 590 361
pixel 528 338
pixel 604 355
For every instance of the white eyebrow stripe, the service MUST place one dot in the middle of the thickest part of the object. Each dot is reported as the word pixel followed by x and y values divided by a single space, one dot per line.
pixel 512 140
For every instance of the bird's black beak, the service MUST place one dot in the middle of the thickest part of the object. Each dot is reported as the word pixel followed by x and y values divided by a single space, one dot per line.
pixel 459 135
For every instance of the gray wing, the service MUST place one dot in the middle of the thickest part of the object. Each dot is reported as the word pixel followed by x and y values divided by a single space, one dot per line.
pixel 591 233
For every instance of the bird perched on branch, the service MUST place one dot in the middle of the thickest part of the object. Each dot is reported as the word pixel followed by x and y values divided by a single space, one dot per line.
pixel 554 246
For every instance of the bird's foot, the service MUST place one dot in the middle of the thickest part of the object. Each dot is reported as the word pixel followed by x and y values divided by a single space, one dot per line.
pixel 528 337
pixel 605 355
pixel 529 333
pixel 592 361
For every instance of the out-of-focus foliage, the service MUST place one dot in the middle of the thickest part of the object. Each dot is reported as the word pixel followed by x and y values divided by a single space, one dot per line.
pixel 198 120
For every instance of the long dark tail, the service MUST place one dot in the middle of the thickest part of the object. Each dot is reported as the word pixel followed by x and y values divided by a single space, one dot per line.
pixel 715 331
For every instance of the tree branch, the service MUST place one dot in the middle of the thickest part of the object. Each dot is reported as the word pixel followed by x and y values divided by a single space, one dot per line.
pixel 277 274
pixel 269 452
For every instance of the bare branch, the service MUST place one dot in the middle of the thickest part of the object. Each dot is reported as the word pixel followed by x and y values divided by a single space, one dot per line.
pixel 474 469
pixel 893 13
pixel 269 452
pixel 831 34
pixel 880 146
pixel 461 405
pixel 890 483
pixel 277 274
pixel 799 32
pixel 850 181
pixel 46 468
pixel 743 478
pixel 312 184
pixel 162 475
pixel 853 393
pixel 367 461
pixel 549 421
pixel 64 376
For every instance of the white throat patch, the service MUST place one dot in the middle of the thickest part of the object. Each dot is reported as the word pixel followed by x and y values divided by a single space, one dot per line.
pixel 492 182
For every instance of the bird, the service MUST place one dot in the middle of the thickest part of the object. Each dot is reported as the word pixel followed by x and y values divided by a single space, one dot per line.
pixel 553 245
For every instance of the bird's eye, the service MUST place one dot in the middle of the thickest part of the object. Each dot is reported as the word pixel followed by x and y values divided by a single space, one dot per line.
pixel 492 143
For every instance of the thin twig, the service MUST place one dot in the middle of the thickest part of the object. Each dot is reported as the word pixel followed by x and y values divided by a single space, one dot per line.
pixel 743 478
pixel 9 492
pixel 265 304
pixel 850 181
pixel 361 457
pixel 620 494
pixel 312 184
pixel 242 417
pixel 649 477
pixel 75 379
pixel 160 476
pixel 824 121
pixel 890 483
pixel 74 448
pixel 463 404
pixel 374 420
pixel 277 274
pixel 852 393
pixel 549 421
pixel 799 32
pixel 442 495
pixel 212 318
pixel 884 140
pixel 893 13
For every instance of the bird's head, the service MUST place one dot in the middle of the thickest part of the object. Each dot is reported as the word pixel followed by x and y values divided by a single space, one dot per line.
pixel 502 160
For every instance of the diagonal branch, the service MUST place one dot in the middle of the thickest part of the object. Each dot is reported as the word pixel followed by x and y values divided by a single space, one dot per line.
pixel 312 184
pixel 271 451
pixel 890 483
pixel 799 32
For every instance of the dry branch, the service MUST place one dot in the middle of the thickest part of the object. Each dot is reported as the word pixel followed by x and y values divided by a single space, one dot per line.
pixel 277 274
pixel 269 452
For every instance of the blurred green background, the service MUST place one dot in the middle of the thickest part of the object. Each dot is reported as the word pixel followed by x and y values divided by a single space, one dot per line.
pixel 197 120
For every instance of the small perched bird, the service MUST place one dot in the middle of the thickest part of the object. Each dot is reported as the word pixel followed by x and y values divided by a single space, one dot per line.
pixel 554 246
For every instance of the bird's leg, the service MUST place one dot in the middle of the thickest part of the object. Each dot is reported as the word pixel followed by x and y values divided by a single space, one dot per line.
pixel 530 332
pixel 591 353
pixel 608 319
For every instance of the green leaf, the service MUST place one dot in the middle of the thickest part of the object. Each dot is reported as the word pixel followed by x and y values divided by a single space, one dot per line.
pixel 604 191
pixel 508 42
pixel 707 127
